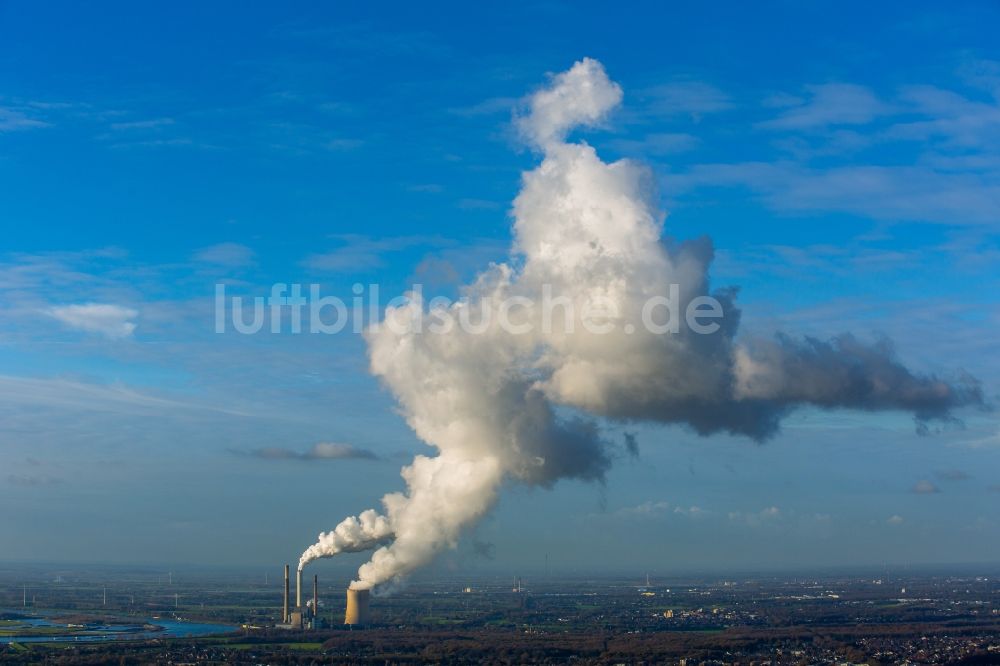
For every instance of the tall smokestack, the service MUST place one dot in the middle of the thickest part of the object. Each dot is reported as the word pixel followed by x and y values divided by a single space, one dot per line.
pixel 357 607
pixel 298 589
pixel 284 616
pixel 315 598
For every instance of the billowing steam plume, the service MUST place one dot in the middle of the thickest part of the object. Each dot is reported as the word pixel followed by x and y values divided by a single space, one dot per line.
pixel 587 233
pixel 353 535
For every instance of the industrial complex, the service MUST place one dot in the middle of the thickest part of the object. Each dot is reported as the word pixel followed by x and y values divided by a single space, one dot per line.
pixel 307 616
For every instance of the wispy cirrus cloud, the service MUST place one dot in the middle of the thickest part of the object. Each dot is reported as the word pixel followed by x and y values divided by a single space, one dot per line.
pixel 657 144
pixel 940 162
pixel 150 124
pixel 478 204
pixel 487 107
pixel 987 441
pixel 68 396
pixel 15 120
pixel 953 118
pixel 228 255
pixel 680 98
pixel 363 253
pixel 320 451
pixel 107 319
pixel 829 104
pixel 156 143
pixel 891 193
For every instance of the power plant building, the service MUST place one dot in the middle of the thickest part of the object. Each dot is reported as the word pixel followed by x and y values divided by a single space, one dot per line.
pixel 299 617
pixel 306 616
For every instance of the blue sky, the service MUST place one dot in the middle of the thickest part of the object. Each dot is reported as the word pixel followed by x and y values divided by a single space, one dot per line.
pixel 844 159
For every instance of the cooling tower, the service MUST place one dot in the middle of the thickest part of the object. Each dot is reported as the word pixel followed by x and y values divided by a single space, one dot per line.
pixel 357 607
pixel 284 615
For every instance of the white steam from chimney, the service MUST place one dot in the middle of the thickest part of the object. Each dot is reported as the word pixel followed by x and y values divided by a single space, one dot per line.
pixel 590 232
pixel 365 532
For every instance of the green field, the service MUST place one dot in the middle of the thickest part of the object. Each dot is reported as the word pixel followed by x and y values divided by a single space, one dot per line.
pixel 27 630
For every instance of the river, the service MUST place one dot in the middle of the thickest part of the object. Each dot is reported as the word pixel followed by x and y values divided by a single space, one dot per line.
pixel 92 633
